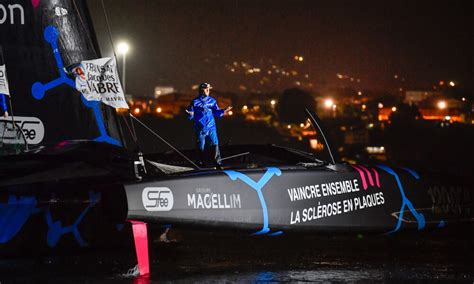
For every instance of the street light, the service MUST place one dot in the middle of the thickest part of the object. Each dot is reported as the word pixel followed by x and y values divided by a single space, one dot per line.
pixel 328 103
pixel 442 105
pixel 123 48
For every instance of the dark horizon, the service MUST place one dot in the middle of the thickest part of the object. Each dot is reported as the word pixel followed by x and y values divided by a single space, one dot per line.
pixel 386 46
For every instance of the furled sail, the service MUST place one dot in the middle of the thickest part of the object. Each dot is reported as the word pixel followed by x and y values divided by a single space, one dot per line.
pixel 39 38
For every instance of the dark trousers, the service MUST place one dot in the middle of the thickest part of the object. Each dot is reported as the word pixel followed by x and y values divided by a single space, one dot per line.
pixel 208 146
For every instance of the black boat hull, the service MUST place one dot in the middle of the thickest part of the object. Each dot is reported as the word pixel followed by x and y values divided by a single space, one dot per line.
pixel 274 200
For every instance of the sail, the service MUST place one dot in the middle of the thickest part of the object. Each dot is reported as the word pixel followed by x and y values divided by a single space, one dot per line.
pixel 39 38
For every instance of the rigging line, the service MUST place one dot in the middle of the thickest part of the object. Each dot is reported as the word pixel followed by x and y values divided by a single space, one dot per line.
pixel 115 55
pixel 166 142
pixel 84 27
pixel 108 27
pixel 134 137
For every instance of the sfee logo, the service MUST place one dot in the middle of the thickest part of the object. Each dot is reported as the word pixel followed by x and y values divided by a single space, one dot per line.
pixel 157 199
pixel 32 127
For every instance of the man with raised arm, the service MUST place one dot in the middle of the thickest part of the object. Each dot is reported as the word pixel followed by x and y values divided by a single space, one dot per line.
pixel 203 109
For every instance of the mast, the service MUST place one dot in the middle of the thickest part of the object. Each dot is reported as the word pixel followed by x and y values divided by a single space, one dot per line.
pixel 39 39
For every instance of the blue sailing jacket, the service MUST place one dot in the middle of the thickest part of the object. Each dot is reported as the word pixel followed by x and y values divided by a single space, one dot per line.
pixel 3 103
pixel 205 109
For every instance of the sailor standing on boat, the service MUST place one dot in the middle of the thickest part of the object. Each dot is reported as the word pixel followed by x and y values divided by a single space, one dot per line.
pixel 203 109
pixel 3 104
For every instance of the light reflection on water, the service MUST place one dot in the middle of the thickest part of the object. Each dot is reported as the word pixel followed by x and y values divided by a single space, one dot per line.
pixel 308 259
pixel 323 276
pixel 27 271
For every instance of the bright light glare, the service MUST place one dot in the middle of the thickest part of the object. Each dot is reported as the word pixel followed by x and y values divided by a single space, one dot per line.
pixel 328 103
pixel 123 47
pixel 442 105
pixel 394 109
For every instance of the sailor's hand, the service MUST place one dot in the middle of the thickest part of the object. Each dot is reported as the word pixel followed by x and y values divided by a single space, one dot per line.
pixel 190 112
pixel 227 109
pixel 5 114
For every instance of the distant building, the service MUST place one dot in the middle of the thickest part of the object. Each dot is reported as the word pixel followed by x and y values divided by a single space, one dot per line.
pixel 163 90
pixel 415 97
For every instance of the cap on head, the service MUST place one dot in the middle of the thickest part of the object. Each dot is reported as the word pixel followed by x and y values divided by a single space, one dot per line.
pixel 205 86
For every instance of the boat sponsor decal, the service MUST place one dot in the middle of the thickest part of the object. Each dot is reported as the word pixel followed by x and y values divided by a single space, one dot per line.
pixel 38 90
pixel 157 199
pixel 406 203
pixel 453 200
pixel 258 187
pixel 32 127
pixel 15 213
pixel 334 208
pixel 35 3
pixel 12 14
pixel 204 198
pixel 373 181
pixel 323 190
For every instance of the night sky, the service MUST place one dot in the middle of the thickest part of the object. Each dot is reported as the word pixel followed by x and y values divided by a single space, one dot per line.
pixel 182 43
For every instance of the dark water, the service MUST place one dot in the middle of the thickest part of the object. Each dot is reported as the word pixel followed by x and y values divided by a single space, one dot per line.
pixel 210 258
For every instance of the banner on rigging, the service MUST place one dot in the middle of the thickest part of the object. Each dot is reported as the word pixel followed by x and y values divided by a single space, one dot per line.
pixel 98 80
pixel 3 81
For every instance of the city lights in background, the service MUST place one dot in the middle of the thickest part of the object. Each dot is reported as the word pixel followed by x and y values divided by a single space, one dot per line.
pixel 394 109
pixel 452 84
pixel 359 93
pixel 328 103
pixel 442 105
pixel 273 103
pixel 136 110
pixel 380 105
pixel 158 109
pixel 299 58
pixel 375 149
pixel 313 143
